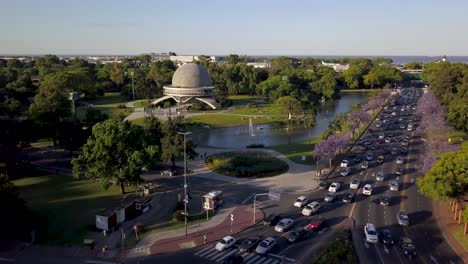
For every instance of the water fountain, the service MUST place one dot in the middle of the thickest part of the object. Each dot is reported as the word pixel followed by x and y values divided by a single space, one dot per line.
pixel 251 129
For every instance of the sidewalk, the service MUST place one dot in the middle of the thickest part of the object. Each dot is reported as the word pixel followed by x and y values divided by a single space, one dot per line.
pixel 446 223
pixel 215 229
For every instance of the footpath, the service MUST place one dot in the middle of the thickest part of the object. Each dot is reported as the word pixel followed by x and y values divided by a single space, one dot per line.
pixel 447 224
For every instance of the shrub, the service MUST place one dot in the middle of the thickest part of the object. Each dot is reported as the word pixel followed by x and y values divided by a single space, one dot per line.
pixel 178 216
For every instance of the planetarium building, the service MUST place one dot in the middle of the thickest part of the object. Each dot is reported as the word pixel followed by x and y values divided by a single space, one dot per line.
pixel 190 81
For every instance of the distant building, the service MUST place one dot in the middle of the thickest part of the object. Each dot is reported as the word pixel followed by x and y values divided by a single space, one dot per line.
pixel 183 59
pixel 336 66
pixel 259 64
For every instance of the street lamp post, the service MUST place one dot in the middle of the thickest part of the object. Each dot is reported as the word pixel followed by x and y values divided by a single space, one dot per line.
pixel 185 177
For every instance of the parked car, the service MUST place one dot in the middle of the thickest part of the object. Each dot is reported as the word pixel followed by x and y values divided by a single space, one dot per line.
pixel 348 197
pixel 272 219
pixel 233 259
pixel 371 233
pixel 266 245
pixel 311 208
pixel 334 187
pixel 344 163
pixel 284 225
pixel 402 218
pixel 225 243
pixel 295 234
pixel 367 190
pixel 345 171
pixel 249 244
pixel 330 197
pixel 394 186
pixel 354 184
pixel 301 201
pixel 408 247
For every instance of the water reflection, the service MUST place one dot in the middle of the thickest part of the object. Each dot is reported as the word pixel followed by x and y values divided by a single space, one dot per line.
pixel 270 134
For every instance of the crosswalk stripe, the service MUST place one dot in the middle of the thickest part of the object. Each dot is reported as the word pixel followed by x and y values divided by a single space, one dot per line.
pixel 227 255
pixel 253 259
pixel 204 254
pixel 248 257
pixel 268 260
pixel 215 256
pixel 262 260
pixel 203 250
pixel 275 262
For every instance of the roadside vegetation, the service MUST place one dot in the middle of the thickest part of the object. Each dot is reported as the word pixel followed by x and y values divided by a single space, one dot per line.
pixel 246 164
pixel 340 251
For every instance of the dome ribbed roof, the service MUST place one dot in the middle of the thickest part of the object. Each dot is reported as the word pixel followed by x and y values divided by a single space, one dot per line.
pixel 191 75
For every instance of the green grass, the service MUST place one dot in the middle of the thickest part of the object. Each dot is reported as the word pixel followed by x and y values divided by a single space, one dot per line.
pixel 457 135
pixel 261 109
pixel 230 120
pixel 246 164
pixel 141 103
pixel 108 104
pixel 139 121
pixel 42 143
pixel 460 237
pixel 295 151
pixel 67 207
pixel 245 99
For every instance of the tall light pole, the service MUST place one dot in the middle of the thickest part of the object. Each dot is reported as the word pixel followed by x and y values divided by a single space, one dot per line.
pixel 185 177
pixel 132 73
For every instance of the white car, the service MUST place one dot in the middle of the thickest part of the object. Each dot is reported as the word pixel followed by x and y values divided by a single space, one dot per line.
pixel 380 176
pixel 266 245
pixel 284 225
pixel 367 190
pixel 334 187
pixel 301 201
pixel 225 243
pixel 394 186
pixel 365 165
pixel 345 171
pixel 403 218
pixel 344 163
pixel 311 208
pixel 371 233
pixel 399 160
pixel 354 184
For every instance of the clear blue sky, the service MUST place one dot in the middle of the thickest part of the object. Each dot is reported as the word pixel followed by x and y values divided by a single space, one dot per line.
pixel 252 27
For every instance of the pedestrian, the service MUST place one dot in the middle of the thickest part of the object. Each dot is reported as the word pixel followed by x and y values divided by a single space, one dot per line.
pixel 104 249
pixel 205 155
pixel 205 238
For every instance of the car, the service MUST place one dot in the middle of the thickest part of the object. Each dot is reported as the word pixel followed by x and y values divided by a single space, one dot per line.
pixel 399 160
pixel 266 245
pixel 385 151
pixel 378 124
pixel 354 184
pixel 301 201
pixel 249 244
pixel 329 197
pixel 235 258
pixel 408 247
pixel 348 197
pixel 367 190
pixel 345 171
pixel 225 243
pixel 394 186
pixel 381 136
pixel 388 140
pixel 311 208
pixel 404 143
pixel 369 156
pixel 373 147
pixel 272 219
pixel 284 225
pixel 400 171
pixel 394 151
pixel 351 154
pixel 344 163
pixel 323 184
pixel 357 158
pixel 371 233
pixel 380 159
pixel 365 164
pixel 402 218
pixel 404 150
pixel 387 238
pixel 402 126
pixel 380 176
pixel 334 187
pixel 295 234
pixel 315 223
pixel 384 200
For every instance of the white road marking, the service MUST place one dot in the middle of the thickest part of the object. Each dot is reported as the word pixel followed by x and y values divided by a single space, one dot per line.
pixel 248 257
pixel 210 254
pixel 253 259
pixel 234 250
pixel 378 253
pixel 323 230
pixel 203 250
pixel 268 260
pixel 248 198
pixel 7 259
pixel 281 257
pixel 434 259
pixel 216 256
pixel 99 262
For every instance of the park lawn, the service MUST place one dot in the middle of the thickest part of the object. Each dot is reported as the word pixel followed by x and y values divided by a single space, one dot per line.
pixel 295 151
pixel 260 109
pixel 460 237
pixel 109 104
pixel 231 120
pixel 142 103
pixel 245 99
pixel 66 207
pixel 139 121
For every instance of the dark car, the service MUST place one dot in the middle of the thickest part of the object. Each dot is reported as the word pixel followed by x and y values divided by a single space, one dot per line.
pixel 249 244
pixel 400 171
pixel 358 158
pixel 351 154
pixel 272 219
pixel 296 234
pixel 404 150
pixel 408 247
pixel 348 197
pixel 234 259
pixel 385 151
pixel 323 185
pixel 387 238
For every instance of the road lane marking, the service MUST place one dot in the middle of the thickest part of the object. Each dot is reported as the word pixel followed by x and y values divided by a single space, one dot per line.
pixel 99 262
pixel 234 250
pixel 203 250
pixel 248 198
pixel 357 193
pixel 253 259
pixel 378 253
pixel 405 178
pixel 281 257
pixel 7 259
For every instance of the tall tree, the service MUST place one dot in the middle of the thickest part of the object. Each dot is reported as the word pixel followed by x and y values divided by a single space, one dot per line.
pixel 172 143
pixel 115 154
pixel 117 74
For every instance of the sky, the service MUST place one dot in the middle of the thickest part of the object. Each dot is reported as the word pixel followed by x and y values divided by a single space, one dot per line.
pixel 245 27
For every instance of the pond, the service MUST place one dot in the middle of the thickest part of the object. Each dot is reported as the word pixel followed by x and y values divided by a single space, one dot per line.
pixel 271 134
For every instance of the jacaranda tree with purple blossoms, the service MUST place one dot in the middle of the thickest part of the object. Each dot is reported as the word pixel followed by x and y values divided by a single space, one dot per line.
pixel 357 119
pixel 331 146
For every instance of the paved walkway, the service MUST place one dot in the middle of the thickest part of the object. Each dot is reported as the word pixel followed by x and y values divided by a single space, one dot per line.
pixel 446 223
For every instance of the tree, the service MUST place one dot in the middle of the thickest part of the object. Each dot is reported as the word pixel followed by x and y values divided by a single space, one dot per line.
pixel 153 128
pixel 309 120
pixel 330 147
pixel 117 74
pixel 458 114
pixel 173 143
pixel 357 119
pixel 161 72
pixel 115 154
pixel 289 104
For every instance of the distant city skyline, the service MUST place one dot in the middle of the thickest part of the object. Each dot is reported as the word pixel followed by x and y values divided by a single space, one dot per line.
pixel 342 28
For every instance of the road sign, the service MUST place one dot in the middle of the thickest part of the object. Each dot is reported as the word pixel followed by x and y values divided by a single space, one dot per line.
pixel 274 195
pixel 232 217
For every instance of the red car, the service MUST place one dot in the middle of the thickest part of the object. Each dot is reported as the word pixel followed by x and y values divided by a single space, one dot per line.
pixel 315 223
